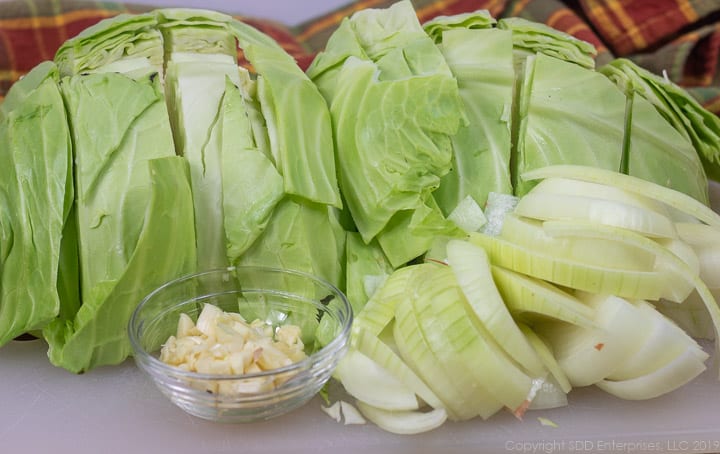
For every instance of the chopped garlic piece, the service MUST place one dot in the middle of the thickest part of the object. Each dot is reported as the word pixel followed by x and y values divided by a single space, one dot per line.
pixel 225 344
pixel 185 326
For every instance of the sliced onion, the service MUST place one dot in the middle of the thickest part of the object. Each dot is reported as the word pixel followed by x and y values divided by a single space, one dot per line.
pixel 564 186
pixel 365 380
pixel 531 299
pixel 709 265
pixel 379 311
pixel 529 233
pixel 570 273
pixel 416 352
pixel 696 234
pixel 679 278
pixel 470 265
pixel 557 376
pixel 665 342
pixel 464 350
pixel 683 251
pixel 691 316
pixel 676 269
pixel 385 357
pixel 404 422
pixel 590 355
pixel 549 395
pixel 675 199
pixel 606 212
pixel 673 375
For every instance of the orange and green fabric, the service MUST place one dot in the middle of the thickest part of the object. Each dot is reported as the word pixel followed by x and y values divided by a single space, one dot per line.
pixel 676 38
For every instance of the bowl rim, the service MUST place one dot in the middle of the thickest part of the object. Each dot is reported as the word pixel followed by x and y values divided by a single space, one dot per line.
pixel 335 346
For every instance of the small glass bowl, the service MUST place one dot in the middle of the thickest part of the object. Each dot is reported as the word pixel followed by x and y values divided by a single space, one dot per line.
pixel 272 295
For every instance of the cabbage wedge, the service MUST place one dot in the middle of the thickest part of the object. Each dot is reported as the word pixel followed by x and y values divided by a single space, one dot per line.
pixel 571 115
pixel 394 105
pixel 36 193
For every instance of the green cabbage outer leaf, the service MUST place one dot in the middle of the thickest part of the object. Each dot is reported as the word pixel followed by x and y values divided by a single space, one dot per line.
pixel 394 105
pixel 291 241
pixel 482 62
pixel 410 233
pixel 35 194
pixel 97 335
pixel 306 237
pixel 676 105
pixel 251 186
pixel 570 115
pixel 301 138
pixel 673 161
pixel 129 126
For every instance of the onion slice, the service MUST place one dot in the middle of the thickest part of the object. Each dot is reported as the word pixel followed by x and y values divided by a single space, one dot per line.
pixel 606 212
pixel 403 422
pixel 572 273
pixel 371 346
pixel 534 300
pixel 675 199
pixel 470 265
pixel 365 380
pixel 673 375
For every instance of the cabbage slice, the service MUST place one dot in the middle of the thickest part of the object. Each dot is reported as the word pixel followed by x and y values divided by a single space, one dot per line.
pixel 570 115
pixel 251 185
pixel 482 63
pixel 303 135
pixel 127 43
pixel 680 109
pixel 97 334
pixel 195 86
pixel 394 105
pixel 36 193
pixel 531 37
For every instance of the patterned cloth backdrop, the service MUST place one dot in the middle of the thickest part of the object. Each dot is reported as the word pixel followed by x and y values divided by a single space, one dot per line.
pixel 679 38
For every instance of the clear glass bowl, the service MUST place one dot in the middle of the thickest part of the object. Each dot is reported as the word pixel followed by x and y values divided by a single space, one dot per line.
pixel 273 295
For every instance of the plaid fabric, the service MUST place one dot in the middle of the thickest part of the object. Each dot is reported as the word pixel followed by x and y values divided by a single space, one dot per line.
pixel 680 38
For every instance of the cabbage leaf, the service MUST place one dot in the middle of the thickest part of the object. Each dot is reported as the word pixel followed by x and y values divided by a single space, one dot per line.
pixel 97 334
pixel 482 62
pixel 568 114
pixel 394 106
pixel 676 105
pixel 36 191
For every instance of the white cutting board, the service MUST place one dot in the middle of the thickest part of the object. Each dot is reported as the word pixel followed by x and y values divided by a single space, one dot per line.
pixel 109 410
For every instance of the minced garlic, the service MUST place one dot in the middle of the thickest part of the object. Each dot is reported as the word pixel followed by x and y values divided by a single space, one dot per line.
pixel 224 343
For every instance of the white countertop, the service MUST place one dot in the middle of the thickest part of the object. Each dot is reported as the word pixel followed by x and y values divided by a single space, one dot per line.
pixel 118 410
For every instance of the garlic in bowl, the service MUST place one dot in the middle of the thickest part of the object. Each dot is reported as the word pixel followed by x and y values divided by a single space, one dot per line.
pixel 225 343
pixel 241 344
